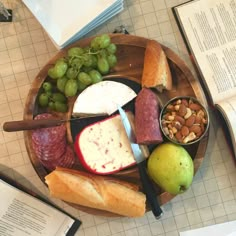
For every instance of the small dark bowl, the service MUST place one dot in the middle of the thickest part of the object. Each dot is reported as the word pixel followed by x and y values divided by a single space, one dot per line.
pixel 173 129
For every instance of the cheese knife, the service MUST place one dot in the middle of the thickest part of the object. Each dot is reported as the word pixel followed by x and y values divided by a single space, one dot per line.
pixel 140 159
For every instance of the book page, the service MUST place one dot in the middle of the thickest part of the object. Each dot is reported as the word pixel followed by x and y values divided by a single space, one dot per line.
pixel 22 214
pixel 210 30
pixel 228 111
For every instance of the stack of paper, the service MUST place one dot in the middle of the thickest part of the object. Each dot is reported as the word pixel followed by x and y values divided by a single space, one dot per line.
pixel 66 21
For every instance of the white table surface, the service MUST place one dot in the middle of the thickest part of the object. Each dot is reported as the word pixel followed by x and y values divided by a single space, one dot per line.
pixel 25 48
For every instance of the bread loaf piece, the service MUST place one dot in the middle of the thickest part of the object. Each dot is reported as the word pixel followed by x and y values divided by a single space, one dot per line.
pixel 156 71
pixel 95 191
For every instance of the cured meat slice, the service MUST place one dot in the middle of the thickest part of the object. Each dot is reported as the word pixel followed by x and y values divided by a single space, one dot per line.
pixel 51 147
pixel 48 136
pixel 147 118
pixel 68 159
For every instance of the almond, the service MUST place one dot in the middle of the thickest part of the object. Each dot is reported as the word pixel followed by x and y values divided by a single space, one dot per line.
pixel 180 119
pixel 195 128
pixel 190 121
pixel 179 136
pixel 182 110
pixel 198 120
pixel 184 131
pixel 194 106
pixel 170 107
pixel 198 134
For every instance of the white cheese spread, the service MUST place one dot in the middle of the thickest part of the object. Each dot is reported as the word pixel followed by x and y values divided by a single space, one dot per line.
pixel 103 98
pixel 104 146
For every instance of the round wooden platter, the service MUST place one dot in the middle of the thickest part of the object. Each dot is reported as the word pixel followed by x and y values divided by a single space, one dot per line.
pixel 130 54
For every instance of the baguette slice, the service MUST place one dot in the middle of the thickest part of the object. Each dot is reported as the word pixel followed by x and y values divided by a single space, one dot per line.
pixel 156 71
pixel 104 193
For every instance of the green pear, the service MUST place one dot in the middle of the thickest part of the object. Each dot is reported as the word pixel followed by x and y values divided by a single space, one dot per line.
pixel 171 167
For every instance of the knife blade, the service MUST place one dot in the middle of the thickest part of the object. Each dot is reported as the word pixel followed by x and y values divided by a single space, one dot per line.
pixel 19 125
pixel 140 159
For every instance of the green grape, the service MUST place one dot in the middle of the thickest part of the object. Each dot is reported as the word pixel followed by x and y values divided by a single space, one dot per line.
pixel 95 43
pixel 84 78
pixel 75 51
pixel 71 88
pixel 52 73
pixel 111 49
pixel 61 82
pixel 81 86
pixel 76 63
pixel 103 65
pixel 49 93
pixel 95 76
pixel 71 73
pixel 86 69
pixel 112 60
pixel 94 61
pixel 104 41
pixel 60 68
pixel 51 105
pixel 103 53
pixel 43 99
pixel 59 97
pixel 87 60
pixel 60 107
pixel 47 86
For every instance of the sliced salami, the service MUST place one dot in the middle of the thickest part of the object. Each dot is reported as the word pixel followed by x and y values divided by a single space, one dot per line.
pixel 51 147
pixel 48 136
pixel 68 158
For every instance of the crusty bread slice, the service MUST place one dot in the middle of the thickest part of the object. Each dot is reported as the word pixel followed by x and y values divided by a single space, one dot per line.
pixel 95 191
pixel 156 71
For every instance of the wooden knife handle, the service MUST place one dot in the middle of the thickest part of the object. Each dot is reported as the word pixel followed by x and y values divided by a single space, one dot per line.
pixel 30 124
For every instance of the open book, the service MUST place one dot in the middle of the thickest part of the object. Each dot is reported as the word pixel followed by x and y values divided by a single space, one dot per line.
pixel 24 214
pixel 209 30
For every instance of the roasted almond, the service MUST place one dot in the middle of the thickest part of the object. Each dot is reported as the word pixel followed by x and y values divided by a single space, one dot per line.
pixel 198 120
pixel 195 128
pixel 182 110
pixel 190 121
pixel 194 106
pixel 180 119
pixel 184 130
pixel 198 134
pixel 170 107
pixel 179 136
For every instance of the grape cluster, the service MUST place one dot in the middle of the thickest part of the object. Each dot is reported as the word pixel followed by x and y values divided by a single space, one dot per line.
pixel 52 99
pixel 84 66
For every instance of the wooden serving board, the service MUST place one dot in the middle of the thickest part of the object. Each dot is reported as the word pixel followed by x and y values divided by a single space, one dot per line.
pixel 130 54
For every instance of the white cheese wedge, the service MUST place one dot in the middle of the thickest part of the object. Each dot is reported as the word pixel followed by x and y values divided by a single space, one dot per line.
pixel 103 147
pixel 103 98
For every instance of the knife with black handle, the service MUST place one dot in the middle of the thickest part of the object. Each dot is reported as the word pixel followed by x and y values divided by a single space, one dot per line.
pixel 148 188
